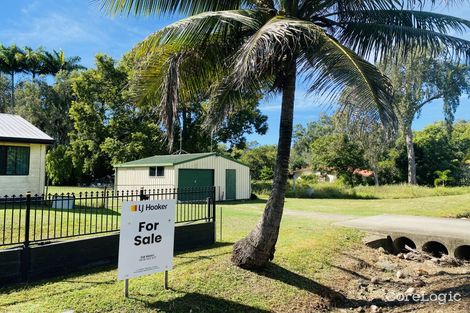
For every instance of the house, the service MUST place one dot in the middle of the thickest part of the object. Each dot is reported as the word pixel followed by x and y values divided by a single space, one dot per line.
pixel 328 178
pixel 230 177
pixel 22 156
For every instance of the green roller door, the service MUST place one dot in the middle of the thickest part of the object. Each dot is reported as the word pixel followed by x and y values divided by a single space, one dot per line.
pixel 230 184
pixel 196 179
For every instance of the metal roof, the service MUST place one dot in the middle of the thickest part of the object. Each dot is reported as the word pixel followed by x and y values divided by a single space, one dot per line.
pixel 14 128
pixel 170 160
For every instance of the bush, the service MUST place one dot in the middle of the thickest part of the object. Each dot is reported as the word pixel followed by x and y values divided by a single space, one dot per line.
pixel 304 189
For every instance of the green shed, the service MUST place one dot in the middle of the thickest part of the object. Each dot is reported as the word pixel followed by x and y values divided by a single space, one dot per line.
pixel 230 177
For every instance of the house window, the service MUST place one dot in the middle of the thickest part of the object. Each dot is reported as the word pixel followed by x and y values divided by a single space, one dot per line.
pixel 156 171
pixel 14 160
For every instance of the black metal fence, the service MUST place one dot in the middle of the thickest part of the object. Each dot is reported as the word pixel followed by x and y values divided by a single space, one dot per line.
pixel 42 218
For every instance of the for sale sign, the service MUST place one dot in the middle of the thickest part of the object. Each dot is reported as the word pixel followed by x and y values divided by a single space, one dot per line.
pixel 146 238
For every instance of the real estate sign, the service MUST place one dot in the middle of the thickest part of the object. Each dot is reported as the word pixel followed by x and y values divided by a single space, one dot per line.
pixel 146 238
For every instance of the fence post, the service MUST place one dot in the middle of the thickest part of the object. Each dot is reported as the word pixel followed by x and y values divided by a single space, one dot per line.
pixel 142 195
pixel 208 202
pixel 25 255
pixel 213 203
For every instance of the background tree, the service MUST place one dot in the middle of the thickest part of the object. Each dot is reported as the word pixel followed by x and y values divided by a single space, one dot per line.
pixel 34 61
pixel 47 106
pixel 419 79
pixel 303 138
pixel 261 160
pixel 263 45
pixel 11 63
pixel 5 91
pixel 107 126
pixel 338 153
pixel 56 61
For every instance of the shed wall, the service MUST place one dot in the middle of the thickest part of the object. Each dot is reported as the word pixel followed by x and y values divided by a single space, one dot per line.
pixel 132 178
pixel 34 182
pixel 220 164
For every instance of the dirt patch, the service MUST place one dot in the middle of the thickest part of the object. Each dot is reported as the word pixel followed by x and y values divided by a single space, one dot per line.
pixel 373 281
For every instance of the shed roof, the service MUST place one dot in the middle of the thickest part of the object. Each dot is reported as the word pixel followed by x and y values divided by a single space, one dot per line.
pixel 14 128
pixel 171 160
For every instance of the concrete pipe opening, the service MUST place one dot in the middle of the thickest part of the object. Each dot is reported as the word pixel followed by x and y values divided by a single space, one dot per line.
pixel 463 253
pixel 435 248
pixel 401 242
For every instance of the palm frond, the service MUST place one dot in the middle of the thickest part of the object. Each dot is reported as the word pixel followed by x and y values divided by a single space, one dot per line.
pixel 168 7
pixel 432 21
pixel 199 29
pixel 332 69
pixel 175 76
pixel 261 55
pixel 384 41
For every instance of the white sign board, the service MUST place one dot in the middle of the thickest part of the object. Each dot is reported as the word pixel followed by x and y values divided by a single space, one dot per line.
pixel 146 238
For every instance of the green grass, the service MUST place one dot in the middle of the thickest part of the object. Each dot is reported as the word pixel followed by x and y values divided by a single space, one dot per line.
pixel 446 206
pixel 340 191
pixel 203 281
pixel 404 191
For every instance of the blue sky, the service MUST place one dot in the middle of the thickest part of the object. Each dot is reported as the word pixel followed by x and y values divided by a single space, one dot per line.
pixel 80 28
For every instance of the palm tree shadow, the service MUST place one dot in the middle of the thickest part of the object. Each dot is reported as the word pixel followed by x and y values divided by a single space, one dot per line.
pixel 335 298
pixel 196 302
pixel 286 276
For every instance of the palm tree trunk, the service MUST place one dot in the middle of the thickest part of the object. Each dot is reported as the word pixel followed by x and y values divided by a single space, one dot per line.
pixel 410 154
pixel 256 249
pixel 12 74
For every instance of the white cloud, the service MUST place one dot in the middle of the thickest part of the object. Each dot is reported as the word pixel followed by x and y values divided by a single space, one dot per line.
pixel 52 30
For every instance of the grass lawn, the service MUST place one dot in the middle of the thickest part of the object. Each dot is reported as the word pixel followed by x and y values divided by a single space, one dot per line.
pixel 202 281
pixel 447 206
pixel 205 280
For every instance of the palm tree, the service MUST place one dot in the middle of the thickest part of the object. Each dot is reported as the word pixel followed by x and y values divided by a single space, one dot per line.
pixel 34 61
pixel 267 45
pixel 56 61
pixel 11 62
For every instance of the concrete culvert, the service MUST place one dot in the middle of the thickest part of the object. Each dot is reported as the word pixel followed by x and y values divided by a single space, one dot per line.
pixel 435 248
pixel 463 252
pixel 401 242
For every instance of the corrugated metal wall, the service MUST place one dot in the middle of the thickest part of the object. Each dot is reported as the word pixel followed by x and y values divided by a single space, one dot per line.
pixel 220 164
pixel 132 178
pixel 135 177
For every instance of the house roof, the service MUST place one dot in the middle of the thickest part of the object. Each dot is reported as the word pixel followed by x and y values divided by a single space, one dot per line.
pixel 171 160
pixel 14 128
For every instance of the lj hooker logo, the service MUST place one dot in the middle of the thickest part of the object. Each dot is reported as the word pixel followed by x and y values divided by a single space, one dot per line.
pixel 148 207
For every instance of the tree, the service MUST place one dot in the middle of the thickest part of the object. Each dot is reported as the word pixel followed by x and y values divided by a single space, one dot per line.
pixel 303 138
pixel 418 79
pixel 34 61
pixel 56 61
pixel 11 62
pixel 46 106
pixel 339 153
pixel 107 126
pixel 442 177
pixel 264 45
pixel 5 96
pixel 261 161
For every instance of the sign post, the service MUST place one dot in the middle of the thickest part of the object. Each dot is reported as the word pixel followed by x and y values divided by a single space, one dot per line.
pixel 146 239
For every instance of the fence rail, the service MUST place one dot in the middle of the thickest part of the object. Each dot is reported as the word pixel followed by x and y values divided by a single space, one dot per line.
pixel 26 219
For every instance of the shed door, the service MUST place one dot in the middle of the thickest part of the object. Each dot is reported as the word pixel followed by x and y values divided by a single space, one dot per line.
pixel 191 178
pixel 230 184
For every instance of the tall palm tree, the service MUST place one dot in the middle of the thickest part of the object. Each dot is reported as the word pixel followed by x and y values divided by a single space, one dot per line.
pixel 11 62
pixel 56 61
pixel 268 45
pixel 34 60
